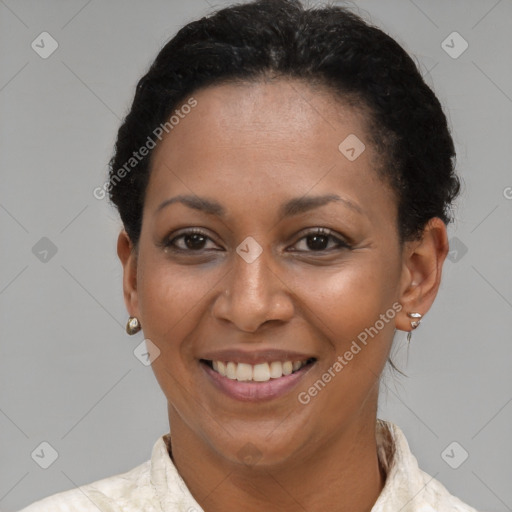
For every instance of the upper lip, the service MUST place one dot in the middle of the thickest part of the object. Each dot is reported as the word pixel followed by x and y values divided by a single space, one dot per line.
pixel 255 356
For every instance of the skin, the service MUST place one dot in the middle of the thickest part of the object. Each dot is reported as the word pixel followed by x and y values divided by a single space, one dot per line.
pixel 251 147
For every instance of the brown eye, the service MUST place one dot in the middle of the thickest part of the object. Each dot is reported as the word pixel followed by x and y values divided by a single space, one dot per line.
pixel 190 241
pixel 320 240
pixel 317 242
pixel 194 241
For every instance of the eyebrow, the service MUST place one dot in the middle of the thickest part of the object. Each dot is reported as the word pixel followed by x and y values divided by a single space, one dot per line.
pixel 292 207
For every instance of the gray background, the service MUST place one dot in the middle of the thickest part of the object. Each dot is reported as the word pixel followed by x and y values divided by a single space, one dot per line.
pixel 68 374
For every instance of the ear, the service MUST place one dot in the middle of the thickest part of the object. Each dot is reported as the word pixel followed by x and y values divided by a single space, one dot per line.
pixel 421 271
pixel 128 257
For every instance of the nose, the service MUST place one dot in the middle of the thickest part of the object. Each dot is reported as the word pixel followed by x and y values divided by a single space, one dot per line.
pixel 253 295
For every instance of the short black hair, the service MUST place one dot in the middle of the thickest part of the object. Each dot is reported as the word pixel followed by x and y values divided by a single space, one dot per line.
pixel 327 45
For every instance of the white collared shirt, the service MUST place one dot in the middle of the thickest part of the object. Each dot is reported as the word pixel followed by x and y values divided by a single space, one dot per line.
pixel 156 486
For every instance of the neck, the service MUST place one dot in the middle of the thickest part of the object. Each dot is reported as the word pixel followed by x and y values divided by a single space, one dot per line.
pixel 344 471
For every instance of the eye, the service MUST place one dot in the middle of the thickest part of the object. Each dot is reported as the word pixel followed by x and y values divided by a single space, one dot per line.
pixel 193 240
pixel 320 240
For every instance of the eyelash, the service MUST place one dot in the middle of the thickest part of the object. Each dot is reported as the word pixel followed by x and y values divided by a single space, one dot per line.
pixel 340 244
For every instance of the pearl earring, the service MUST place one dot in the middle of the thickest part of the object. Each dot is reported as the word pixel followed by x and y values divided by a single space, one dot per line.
pixel 414 323
pixel 133 325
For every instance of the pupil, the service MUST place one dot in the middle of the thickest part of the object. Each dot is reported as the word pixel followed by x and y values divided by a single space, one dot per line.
pixel 195 241
pixel 317 242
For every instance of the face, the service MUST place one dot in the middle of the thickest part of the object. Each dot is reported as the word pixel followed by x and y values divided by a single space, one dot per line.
pixel 264 250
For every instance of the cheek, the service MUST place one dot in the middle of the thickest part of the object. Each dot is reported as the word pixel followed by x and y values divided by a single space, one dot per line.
pixel 352 313
pixel 170 303
pixel 346 300
pixel 171 297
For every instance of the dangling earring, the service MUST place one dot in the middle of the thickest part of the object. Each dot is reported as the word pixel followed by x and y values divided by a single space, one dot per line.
pixel 133 325
pixel 414 323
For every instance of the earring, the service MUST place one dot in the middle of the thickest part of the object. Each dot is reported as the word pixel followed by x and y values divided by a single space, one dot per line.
pixel 133 325
pixel 414 323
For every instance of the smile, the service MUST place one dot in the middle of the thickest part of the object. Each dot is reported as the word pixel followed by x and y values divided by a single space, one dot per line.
pixel 264 380
pixel 262 372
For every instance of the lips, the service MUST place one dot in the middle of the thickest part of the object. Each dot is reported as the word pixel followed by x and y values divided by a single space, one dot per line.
pixel 256 375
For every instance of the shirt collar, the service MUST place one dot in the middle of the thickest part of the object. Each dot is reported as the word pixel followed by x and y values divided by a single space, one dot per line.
pixel 404 488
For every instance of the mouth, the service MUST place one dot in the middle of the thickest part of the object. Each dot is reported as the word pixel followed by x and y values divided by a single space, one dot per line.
pixel 256 382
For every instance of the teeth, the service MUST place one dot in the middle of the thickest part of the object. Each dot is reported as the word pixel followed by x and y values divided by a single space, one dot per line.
pixel 243 371
pixel 287 368
pixel 231 371
pixel 262 372
pixel 276 369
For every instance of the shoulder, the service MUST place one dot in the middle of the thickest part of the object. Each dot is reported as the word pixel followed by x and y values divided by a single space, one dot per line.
pixel 120 493
pixel 407 487
pixel 436 498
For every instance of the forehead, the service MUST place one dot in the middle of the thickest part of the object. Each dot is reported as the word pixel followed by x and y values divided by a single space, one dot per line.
pixel 264 140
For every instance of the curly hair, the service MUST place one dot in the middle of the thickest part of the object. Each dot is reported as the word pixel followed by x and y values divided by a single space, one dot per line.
pixel 329 46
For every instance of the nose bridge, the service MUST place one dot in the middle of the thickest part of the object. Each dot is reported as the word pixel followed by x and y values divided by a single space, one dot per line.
pixel 250 280
pixel 253 294
pixel 250 267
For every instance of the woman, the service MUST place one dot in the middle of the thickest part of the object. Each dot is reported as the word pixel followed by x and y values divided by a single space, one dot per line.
pixel 284 178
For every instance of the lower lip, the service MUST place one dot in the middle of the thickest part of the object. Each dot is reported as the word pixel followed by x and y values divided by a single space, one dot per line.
pixel 250 391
